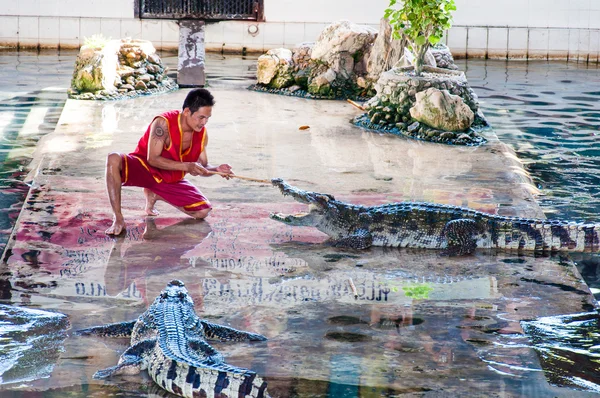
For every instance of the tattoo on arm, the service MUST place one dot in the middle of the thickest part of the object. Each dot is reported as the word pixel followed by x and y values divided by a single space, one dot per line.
pixel 159 131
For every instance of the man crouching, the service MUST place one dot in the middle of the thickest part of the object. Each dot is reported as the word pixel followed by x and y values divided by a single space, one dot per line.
pixel 173 145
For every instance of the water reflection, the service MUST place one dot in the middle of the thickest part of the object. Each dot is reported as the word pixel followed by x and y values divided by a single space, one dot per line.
pixel 548 113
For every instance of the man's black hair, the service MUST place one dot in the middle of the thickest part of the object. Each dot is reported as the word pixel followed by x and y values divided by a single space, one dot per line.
pixel 197 98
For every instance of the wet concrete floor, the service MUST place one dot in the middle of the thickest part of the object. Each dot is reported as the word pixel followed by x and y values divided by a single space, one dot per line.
pixel 421 325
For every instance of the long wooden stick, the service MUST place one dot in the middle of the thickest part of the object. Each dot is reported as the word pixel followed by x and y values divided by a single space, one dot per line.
pixel 362 108
pixel 241 177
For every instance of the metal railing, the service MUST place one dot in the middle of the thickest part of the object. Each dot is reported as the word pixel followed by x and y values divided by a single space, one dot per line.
pixel 202 9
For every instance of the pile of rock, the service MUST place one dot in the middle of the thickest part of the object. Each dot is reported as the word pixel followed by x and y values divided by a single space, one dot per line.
pixel 335 66
pixel 119 69
pixel 438 106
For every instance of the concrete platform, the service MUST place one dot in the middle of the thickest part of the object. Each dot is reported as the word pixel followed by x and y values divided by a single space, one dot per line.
pixel 422 324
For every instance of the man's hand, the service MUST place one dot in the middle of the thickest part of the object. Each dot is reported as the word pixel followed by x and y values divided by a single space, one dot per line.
pixel 225 168
pixel 196 169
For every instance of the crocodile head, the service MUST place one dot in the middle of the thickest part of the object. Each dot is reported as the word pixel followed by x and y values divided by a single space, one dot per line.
pixel 319 205
pixel 174 293
pixel 337 219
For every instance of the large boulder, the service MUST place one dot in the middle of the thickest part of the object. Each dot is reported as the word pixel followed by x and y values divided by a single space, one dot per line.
pixel 442 110
pixel 343 45
pixel 275 68
pixel 118 69
pixel 386 51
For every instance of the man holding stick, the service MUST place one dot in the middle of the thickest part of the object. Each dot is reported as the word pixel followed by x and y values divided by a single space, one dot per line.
pixel 173 145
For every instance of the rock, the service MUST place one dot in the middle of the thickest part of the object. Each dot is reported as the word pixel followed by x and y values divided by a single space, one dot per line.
pixel 99 71
pixel 342 37
pixel 152 84
pixel 343 47
pixel 321 84
pixel 385 52
pixel 301 55
pixel 443 57
pixel 275 68
pixel 140 85
pixel 413 127
pixel 408 59
pixel 155 59
pixel 301 77
pixel 125 71
pixel 442 110
pixel 154 69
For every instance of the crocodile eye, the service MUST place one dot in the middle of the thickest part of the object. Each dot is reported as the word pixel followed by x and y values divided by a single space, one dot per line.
pixel 181 296
pixel 164 295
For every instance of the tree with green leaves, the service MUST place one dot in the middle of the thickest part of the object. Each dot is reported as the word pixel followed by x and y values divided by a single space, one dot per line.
pixel 423 22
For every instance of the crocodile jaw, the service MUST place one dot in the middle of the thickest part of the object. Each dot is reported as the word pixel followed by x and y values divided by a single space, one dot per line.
pixel 287 218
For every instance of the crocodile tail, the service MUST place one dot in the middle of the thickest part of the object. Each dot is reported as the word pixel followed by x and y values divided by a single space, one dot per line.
pixel 220 380
pixel 548 236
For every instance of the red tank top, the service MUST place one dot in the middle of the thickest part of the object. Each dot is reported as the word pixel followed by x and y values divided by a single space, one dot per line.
pixel 174 151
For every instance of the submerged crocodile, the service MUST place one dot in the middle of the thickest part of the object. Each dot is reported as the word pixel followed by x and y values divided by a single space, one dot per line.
pixel 169 341
pixel 456 230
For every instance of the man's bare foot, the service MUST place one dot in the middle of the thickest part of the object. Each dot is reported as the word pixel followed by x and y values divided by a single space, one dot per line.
pixel 151 199
pixel 117 227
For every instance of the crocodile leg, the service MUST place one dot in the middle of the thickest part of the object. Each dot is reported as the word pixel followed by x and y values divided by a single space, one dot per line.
pixel 205 350
pixel 360 239
pixel 460 236
pixel 224 333
pixel 121 329
pixel 130 361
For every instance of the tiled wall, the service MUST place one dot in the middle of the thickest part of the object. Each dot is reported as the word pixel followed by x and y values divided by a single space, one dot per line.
pixel 506 29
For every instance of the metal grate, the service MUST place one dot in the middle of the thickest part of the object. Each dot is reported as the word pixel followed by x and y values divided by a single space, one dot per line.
pixel 201 9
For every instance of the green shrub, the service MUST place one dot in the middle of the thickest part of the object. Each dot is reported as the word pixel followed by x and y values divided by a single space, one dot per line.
pixel 423 22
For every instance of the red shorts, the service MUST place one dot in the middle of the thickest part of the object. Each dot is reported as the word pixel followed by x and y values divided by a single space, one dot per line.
pixel 179 194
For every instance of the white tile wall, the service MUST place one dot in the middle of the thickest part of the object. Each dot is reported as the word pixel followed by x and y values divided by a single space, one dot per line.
pixel 131 28
pixel 313 30
pixel 584 45
pixel 594 45
pixel 498 43
pixel 517 43
pixel 254 42
pixel 274 34
pixel 48 29
pixel 9 29
pixel 213 36
pixel 595 19
pixel 477 42
pixel 558 43
pixel 170 35
pixel 457 41
pixel 28 32
pixel 69 32
pixel 538 43
pixel 233 35
pixel 152 30
pixel 110 28
pixel 88 27
pixel 573 44
pixel 294 34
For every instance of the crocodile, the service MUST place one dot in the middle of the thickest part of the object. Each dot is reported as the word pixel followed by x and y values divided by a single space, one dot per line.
pixel 169 340
pixel 453 229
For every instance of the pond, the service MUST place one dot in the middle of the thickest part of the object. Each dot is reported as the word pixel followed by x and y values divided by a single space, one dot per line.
pixel 419 323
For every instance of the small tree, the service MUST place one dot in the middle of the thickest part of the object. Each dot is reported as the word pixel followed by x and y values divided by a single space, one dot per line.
pixel 423 23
